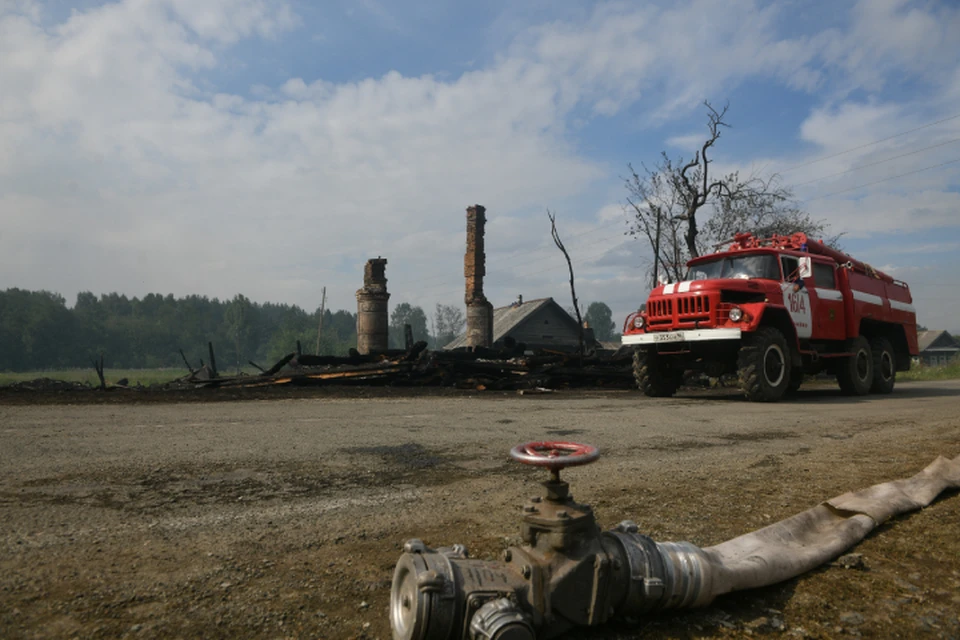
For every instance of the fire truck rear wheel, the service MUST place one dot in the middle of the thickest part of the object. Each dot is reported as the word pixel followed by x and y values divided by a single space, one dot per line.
pixel 763 365
pixel 654 375
pixel 855 372
pixel 884 366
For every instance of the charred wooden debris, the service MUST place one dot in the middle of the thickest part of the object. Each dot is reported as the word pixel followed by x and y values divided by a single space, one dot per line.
pixel 473 368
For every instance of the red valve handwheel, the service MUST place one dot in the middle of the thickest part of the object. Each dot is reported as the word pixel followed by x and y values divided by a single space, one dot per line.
pixel 555 455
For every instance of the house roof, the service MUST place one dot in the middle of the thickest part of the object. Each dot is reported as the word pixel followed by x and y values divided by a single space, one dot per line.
pixel 936 339
pixel 508 318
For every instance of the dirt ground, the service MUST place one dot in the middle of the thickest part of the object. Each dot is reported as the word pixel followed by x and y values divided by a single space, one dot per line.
pixel 283 515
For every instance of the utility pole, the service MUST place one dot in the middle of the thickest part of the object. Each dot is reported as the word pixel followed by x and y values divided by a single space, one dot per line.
pixel 323 303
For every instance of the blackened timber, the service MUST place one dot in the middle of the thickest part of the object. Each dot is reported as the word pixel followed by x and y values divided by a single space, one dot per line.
pixel 189 368
pixel 280 364
pixel 213 361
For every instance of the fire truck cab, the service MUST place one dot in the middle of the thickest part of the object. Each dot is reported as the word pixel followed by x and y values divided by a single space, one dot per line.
pixel 772 310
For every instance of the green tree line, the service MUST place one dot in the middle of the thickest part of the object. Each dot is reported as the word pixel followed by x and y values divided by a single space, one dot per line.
pixel 38 331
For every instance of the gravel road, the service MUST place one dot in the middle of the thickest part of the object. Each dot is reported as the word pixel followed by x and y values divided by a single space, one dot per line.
pixel 284 518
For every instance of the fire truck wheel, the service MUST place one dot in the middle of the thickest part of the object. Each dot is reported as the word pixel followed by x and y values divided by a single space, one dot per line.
pixel 654 375
pixel 855 373
pixel 763 365
pixel 884 366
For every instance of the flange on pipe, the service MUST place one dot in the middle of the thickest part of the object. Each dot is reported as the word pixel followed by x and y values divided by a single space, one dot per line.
pixel 567 573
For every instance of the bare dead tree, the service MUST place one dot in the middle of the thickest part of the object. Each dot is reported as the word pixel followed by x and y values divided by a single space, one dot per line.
pixel 693 184
pixel 764 212
pixel 573 291
pixel 666 202
pixel 656 217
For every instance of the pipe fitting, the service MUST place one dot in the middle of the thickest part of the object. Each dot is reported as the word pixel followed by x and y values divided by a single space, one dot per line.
pixel 568 573
pixel 501 619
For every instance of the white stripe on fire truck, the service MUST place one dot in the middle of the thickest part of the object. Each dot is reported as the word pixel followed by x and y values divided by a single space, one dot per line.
pixel 690 335
pixel 862 296
pixel 668 288
pixel 902 306
pixel 684 286
pixel 829 294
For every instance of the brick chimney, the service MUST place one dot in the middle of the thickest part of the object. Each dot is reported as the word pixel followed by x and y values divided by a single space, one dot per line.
pixel 479 311
pixel 372 321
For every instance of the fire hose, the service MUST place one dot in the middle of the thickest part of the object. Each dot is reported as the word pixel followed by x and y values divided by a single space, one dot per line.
pixel 568 573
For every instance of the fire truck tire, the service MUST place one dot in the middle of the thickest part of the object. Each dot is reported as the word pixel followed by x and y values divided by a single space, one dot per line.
pixel 654 376
pixel 855 373
pixel 884 366
pixel 763 365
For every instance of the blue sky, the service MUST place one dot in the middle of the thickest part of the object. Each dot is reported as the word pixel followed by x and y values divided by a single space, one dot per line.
pixel 269 147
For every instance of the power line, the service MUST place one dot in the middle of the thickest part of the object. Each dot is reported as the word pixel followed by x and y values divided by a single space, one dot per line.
pixel 870 144
pixel 873 164
pixel 869 184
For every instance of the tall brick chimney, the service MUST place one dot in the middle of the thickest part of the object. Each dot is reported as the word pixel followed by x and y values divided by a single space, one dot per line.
pixel 479 311
pixel 372 321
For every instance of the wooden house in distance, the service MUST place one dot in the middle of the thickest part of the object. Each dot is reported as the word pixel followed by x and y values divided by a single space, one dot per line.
pixel 538 324
pixel 937 347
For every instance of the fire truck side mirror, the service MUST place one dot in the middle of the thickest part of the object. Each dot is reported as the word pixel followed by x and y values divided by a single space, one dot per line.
pixel 806 267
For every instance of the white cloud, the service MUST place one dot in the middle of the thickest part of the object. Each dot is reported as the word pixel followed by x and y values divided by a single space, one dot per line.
pixel 688 143
pixel 863 188
pixel 886 212
pixel 900 35
pixel 123 166
pixel 926 248
pixel 112 138
pixel 851 124
pixel 685 53
pixel 226 21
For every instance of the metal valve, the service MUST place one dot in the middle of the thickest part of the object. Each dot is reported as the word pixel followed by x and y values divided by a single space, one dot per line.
pixel 567 573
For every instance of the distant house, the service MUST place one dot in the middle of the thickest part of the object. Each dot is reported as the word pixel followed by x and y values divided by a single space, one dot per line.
pixel 539 324
pixel 937 347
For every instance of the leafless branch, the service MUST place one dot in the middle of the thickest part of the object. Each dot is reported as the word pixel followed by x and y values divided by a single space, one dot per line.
pixel 667 203
pixel 573 291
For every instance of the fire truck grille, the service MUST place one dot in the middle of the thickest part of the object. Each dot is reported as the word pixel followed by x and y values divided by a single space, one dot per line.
pixel 660 308
pixel 679 309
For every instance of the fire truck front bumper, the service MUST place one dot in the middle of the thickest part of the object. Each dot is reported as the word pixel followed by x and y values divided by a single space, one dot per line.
pixel 691 335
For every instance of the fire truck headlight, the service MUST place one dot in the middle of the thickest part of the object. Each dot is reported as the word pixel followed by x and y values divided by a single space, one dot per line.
pixel 736 314
pixel 638 322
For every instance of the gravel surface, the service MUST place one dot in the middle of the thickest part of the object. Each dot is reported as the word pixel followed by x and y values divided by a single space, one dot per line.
pixel 283 517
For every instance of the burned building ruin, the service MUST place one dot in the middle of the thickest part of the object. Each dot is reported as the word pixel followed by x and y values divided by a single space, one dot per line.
pixel 479 310
pixel 372 319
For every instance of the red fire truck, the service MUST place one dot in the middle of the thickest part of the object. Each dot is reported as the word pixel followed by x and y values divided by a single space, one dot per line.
pixel 772 310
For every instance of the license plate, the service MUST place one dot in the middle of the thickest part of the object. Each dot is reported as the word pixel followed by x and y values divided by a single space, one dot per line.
pixel 670 336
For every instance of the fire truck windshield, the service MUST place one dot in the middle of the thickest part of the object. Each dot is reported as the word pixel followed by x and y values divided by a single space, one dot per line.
pixel 744 267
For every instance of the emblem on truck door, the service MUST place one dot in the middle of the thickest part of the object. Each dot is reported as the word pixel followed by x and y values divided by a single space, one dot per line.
pixel 798 306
